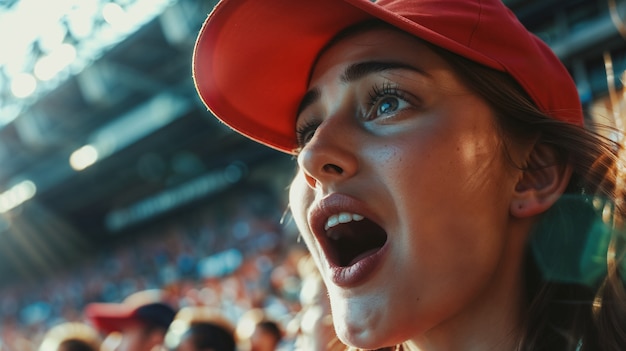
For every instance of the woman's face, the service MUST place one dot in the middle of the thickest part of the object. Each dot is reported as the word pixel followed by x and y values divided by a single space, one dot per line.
pixel 403 190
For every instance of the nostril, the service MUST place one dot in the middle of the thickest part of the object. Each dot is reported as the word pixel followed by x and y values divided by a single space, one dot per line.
pixel 310 180
pixel 332 168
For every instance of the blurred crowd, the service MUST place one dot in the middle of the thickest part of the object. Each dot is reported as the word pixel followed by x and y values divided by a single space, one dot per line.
pixel 233 256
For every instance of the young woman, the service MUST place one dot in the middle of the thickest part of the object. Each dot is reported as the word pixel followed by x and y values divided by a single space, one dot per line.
pixel 448 189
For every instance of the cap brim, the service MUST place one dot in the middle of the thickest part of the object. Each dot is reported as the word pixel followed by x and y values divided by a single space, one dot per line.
pixel 110 317
pixel 252 60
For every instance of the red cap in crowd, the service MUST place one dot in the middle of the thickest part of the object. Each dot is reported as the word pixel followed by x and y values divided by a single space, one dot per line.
pixel 148 307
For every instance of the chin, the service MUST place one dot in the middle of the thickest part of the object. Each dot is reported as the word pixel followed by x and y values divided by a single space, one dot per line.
pixel 365 343
pixel 359 326
pixel 371 322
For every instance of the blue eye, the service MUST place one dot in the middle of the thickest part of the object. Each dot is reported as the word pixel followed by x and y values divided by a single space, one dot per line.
pixel 388 105
pixel 386 100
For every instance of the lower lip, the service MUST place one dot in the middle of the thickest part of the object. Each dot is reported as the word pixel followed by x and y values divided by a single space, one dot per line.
pixel 360 271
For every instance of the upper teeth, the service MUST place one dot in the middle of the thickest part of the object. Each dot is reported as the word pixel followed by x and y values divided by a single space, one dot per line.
pixel 342 217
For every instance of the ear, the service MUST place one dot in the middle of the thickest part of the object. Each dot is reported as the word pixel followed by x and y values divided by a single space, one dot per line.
pixel 543 181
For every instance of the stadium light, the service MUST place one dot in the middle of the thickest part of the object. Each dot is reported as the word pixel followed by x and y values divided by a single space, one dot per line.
pixel 17 195
pixel 47 67
pixel 23 85
pixel 84 157
pixel 53 40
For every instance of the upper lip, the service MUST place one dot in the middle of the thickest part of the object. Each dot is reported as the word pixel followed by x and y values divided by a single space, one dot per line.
pixel 333 204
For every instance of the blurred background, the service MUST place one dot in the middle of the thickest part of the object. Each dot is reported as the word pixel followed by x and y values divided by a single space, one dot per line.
pixel 115 178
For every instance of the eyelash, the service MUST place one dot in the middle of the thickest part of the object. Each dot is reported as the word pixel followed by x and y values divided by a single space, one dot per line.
pixel 305 132
pixel 386 89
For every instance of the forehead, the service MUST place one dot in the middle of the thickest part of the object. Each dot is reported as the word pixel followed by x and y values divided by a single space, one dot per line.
pixel 379 43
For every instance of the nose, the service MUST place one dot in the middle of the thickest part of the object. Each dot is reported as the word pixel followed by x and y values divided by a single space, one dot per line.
pixel 329 157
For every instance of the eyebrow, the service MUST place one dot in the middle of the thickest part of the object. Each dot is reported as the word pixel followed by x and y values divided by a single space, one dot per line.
pixel 359 70
pixel 309 99
pixel 355 72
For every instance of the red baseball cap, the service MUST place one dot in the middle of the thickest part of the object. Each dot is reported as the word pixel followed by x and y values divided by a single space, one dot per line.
pixel 252 58
pixel 147 307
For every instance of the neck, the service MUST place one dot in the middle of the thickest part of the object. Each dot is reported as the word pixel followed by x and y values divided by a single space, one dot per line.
pixel 494 321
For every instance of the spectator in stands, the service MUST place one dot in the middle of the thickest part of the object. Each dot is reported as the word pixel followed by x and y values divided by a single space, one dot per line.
pixel 258 332
pixel 141 320
pixel 200 328
pixel 71 336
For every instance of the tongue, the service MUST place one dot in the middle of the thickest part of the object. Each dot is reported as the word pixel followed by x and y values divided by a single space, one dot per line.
pixel 362 256
pixel 354 241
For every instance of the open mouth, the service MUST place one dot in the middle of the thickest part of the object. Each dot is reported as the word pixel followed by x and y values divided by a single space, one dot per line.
pixel 351 238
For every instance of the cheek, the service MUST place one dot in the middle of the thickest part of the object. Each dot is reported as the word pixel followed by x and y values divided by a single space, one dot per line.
pixel 300 198
pixel 435 179
pixel 454 168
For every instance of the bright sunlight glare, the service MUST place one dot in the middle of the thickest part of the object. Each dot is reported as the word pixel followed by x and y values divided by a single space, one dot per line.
pixel 84 157
pixel 49 66
pixel 17 195
pixel 47 38
pixel 23 85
